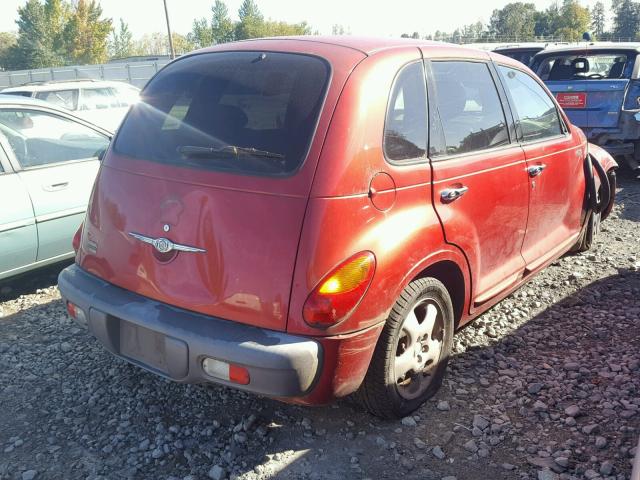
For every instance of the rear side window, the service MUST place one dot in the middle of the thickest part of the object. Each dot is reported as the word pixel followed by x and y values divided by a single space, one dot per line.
pixel 469 107
pixel 97 98
pixel 248 112
pixel 405 130
pixel 62 98
pixel 537 114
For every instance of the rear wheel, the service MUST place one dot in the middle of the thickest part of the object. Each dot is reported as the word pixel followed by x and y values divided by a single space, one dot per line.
pixel 411 355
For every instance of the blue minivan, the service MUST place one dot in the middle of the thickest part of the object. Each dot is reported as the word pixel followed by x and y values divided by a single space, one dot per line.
pixel 598 86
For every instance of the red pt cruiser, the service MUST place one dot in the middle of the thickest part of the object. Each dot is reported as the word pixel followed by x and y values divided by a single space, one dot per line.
pixel 306 218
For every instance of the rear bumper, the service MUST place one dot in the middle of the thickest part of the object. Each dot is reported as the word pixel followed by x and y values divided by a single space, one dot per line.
pixel 619 140
pixel 173 342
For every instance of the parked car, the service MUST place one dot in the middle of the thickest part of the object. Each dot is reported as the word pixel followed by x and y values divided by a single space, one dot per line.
pixel 598 86
pixel 48 162
pixel 522 52
pixel 103 103
pixel 299 218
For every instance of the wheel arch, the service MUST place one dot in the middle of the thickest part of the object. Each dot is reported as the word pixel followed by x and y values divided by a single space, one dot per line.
pixel 451 268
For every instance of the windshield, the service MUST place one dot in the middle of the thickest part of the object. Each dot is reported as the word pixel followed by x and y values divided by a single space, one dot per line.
pixel 580 66
pixel 249 112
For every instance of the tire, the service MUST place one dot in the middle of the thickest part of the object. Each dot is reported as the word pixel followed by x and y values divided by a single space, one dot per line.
pixel 592 228
pixel 426 301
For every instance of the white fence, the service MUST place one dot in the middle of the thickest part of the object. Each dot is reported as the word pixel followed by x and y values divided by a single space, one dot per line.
pixel 135 73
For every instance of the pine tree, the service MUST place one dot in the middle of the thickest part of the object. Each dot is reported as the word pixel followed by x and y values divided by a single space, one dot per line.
pixel 598 19
pixel 251 23
pixel 222 27
pixel 121 44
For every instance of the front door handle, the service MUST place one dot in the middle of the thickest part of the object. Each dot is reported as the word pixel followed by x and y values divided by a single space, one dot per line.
pixel 54 187
pixel 536 170
pixel 451 194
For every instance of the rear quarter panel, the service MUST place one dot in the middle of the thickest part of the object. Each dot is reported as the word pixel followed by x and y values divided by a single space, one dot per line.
pixel 341 219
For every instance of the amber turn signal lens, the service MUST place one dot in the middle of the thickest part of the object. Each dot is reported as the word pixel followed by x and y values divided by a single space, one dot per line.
pixel 340 291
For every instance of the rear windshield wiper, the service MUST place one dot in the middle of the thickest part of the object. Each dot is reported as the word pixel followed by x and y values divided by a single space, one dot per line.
pixel 203 152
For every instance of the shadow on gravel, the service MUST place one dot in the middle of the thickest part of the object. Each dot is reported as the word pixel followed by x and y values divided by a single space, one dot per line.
pixel 28 283
pixel 80 413
pixel 628 196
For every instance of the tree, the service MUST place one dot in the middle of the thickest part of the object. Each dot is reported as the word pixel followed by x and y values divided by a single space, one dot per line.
pixel 121 44
pixel 222 27
pixel 251 24
pixel 338 29
pixel 273 28
pixel 57 13
pixel 516 21
pixel 201 34
pixel 87 33
pixel 598 19
pixel 626 20
pixel 33 47
pixel 8 41
pixel 574 21
pixel 181 43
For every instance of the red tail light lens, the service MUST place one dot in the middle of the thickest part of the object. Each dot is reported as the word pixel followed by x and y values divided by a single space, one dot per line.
pixel 76 239
pixel 340 291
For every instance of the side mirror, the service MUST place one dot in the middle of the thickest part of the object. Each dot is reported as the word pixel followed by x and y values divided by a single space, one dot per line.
pixel 586 36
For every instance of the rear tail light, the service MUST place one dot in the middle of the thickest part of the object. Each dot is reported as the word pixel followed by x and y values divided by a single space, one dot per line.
pixel 226 371
pixel 76 239
pixel 340 291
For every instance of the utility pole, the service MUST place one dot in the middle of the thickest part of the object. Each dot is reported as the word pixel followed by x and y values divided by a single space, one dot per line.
pixel 166 14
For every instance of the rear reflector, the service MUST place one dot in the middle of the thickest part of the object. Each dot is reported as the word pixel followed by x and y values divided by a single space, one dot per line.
pixel 226 371
pixel 76 313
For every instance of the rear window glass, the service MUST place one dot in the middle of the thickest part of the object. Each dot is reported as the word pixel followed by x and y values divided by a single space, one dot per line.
pixel 247 112
pixel 572 66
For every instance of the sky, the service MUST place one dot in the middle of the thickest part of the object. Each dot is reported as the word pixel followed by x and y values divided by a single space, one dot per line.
pixel 361 17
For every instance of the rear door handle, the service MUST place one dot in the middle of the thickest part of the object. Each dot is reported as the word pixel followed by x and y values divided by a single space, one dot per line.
pixel 54 187
pixel 536 170
pixel 451 194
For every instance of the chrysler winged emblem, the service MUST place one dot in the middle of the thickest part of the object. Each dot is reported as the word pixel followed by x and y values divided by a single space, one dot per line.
pixel 164 245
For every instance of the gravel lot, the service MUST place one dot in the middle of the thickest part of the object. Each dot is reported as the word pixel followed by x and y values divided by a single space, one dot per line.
pixel 543 386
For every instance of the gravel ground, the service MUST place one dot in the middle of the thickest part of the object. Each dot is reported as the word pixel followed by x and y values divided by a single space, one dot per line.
pixel 543 386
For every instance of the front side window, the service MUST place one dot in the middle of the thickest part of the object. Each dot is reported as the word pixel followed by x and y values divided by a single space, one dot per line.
pixel 578 66
pixel 405 129
pixel 469 107
pixel 38 138
pixel 248 112
pixel 62 98
pixel 537 114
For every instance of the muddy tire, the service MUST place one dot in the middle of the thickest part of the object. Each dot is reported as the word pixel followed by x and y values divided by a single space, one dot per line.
pixel 412 353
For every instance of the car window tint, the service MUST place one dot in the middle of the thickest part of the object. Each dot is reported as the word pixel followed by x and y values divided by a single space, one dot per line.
pixel 97 98
pixel 248 112
pixel 62 98
pixel 39 138
pixel 20 94
pixel 537 114
pixel 469 107
pixel 405 132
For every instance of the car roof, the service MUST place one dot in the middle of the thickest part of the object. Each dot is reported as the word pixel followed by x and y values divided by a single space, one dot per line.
pixel 520 46
pixel 64 85
pixel 592 47
pixel 20 101
pixel 366 45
